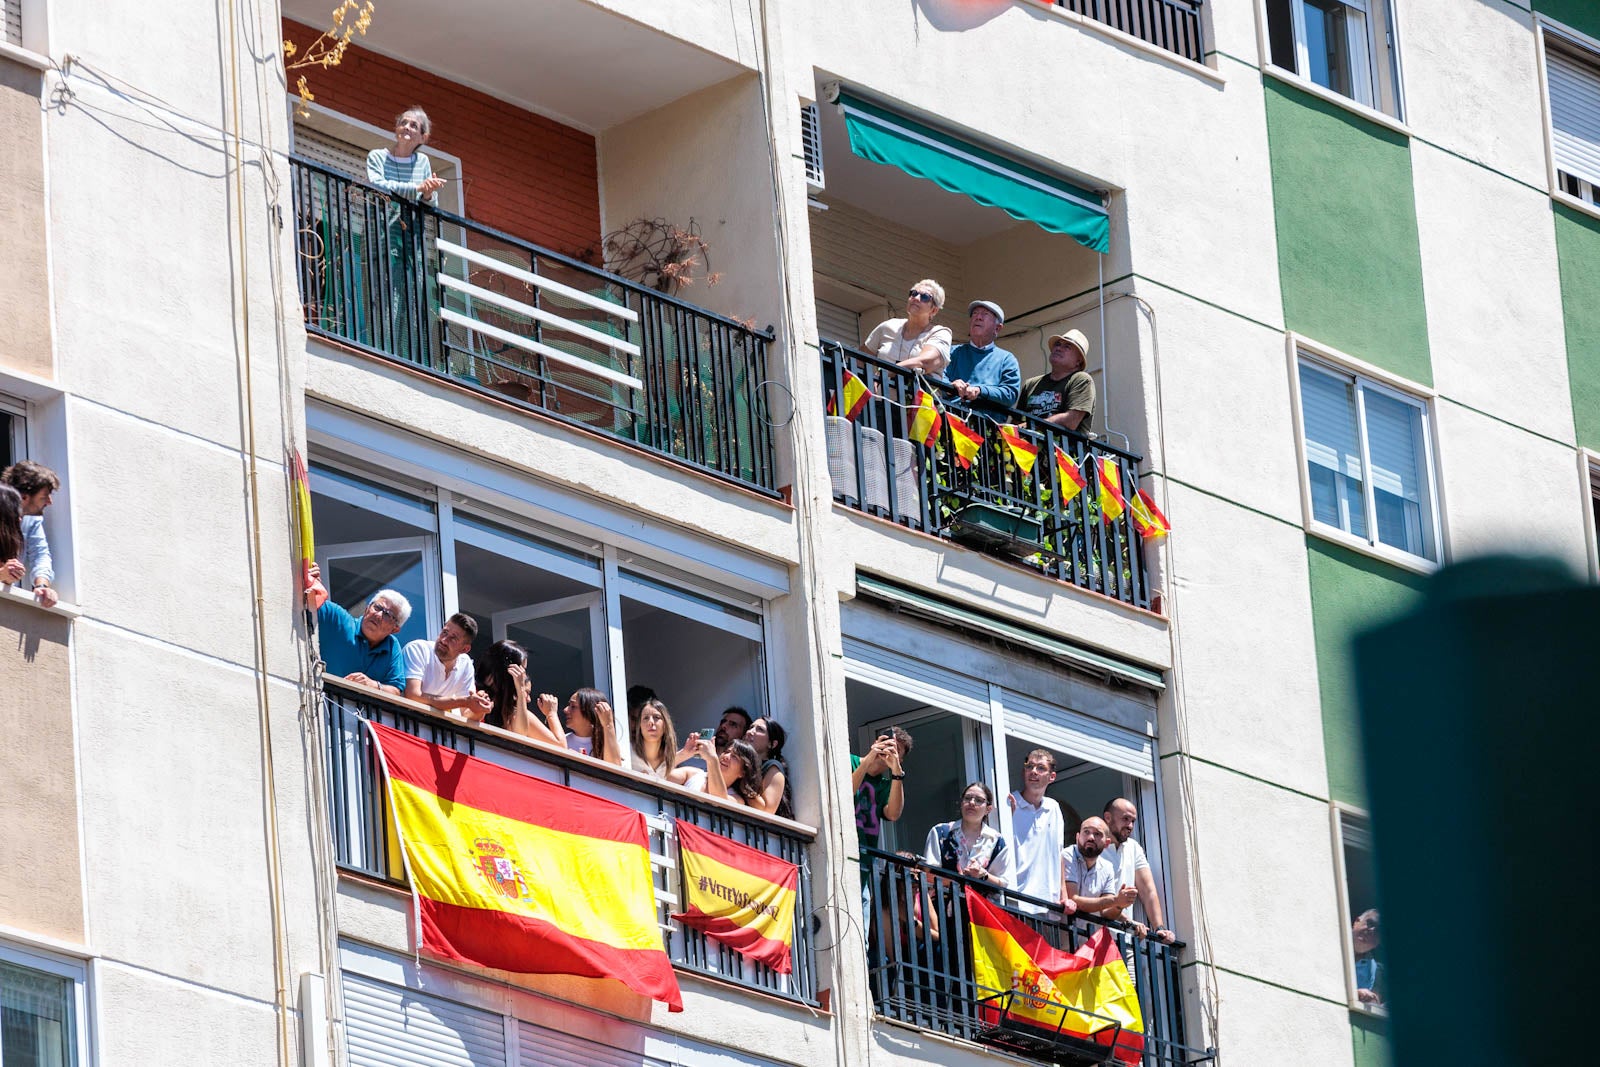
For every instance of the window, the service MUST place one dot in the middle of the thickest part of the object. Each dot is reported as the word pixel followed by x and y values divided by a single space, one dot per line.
pixel 41 1010
pixel 1573 73
pixel 1369 463
pixel 1345 46
pixel 13 431
pixel 1363 928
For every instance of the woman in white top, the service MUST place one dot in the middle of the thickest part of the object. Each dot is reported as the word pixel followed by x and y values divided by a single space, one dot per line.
pixel 914 342
pixel 591 726
pixel 655 744
pixel 969 845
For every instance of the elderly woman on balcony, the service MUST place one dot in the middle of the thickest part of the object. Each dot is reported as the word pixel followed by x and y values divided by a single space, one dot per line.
pixel 914 342
pixel 400 169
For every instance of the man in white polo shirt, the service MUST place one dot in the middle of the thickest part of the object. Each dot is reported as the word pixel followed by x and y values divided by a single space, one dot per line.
pixel 440 674
pixel 1127 858
pixel 1037 825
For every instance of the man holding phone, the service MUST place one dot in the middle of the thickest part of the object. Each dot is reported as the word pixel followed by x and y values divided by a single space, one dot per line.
pixel 878 780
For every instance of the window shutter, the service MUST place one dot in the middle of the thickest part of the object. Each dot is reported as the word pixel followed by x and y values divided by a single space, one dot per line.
pixel 386 1025
pixel 330 151
pixel 838 324
pixel 541 1047
pixel 13 13
pixel 1079 735
pixel 1327 405
pixel 1575 115
pixel 811 134
pixel 1392 428
pixel 889 670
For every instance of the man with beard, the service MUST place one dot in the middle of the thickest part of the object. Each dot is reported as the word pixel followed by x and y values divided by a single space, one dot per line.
pixel 1127 858
pixel 440 673
pixel 1089 881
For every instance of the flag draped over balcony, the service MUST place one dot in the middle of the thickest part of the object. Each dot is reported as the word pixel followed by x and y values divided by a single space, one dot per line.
pixel 1112 502
pixel 301 482
pixel 1070 479
pixel 1087 994
pixel 925 419
pixel 738 895
pixel 1147 518
pixel 517 874
pixel 963 438
pixel 1023 452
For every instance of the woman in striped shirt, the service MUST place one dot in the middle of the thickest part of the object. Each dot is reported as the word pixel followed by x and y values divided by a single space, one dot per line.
pixel 403 172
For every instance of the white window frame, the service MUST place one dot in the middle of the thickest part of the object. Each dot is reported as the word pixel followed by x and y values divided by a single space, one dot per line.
pixel 1371 83
pixel 18 410
pixel 1369 378
pixel 1337 813
pixel 1589 476
pixel 76 970
pixel 331 123
pixel 1587 199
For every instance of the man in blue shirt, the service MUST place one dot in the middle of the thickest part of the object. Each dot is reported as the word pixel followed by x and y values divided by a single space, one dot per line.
pixel 979 372
pixel 365 650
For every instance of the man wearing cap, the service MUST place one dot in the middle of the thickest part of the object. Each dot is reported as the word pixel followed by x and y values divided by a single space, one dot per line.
pixel 979 371
pixel 1065 396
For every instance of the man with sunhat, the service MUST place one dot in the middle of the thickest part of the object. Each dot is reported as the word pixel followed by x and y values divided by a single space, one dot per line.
pixel 979 372
pixel 1065 396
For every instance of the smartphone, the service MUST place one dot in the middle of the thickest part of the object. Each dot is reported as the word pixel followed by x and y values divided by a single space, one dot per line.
pixel 886 732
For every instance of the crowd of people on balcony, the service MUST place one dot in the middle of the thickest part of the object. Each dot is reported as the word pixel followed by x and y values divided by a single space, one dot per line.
pixel 742 759
pixel 26 489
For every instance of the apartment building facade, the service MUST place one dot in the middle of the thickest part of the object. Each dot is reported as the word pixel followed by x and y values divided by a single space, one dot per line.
pixel 1335 261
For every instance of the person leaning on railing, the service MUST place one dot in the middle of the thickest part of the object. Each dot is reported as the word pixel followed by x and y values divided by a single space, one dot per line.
pixel 365 650
pixel 11 566
pixel 503 675
pixel 404 172
pixel 1065 396
pixel 969 846
pixel 35 483
pixel 1127 857
pixel 440 674
pixel 402 169
pixel 914 342
pixel 767 736
pixel 979 371
pixel 1088 879
pixel 591 728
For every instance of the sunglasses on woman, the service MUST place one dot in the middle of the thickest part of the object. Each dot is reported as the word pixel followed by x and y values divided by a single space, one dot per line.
pixel 918 294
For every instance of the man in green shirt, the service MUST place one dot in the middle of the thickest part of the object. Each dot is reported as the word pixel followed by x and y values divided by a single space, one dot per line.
pixel 877 779
pixel 1065 396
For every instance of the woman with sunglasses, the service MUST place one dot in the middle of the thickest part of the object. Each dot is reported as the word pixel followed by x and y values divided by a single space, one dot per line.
pixel 914 342
pixel 969 845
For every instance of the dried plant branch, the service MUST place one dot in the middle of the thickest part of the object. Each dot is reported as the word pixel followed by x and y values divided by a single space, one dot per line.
pixel 351 17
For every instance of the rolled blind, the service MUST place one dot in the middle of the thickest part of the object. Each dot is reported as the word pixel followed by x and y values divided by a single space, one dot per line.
pixel 1328 407
pixel 1392 430
pixel 330 151
pixel 13 16
pixel 1575 115
pixel 387 1026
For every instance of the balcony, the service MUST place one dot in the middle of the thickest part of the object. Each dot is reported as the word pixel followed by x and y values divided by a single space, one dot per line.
pixel 363 845
pixel 535 329
pixel 921 971
pixel 1175 26
pixel 992 506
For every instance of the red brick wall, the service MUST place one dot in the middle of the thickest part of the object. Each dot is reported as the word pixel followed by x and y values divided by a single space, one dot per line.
pixel 527 175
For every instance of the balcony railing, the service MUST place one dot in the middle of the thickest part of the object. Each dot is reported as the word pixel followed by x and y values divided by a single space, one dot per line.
pixel 920 971
pixel 1173 25
pixel 877 468
pixel 363 842
pixel 498 314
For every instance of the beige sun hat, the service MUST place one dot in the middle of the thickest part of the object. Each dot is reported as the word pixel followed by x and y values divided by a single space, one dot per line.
pixel 1072 337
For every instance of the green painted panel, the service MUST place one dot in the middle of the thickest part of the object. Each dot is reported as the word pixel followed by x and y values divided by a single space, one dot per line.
pixel 1371 1038
pixel 1349 259
pixel 1578 249
pixel 1350 592
pixel 1582 15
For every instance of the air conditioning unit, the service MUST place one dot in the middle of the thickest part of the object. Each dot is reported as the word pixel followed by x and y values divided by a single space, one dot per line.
pixel 811 134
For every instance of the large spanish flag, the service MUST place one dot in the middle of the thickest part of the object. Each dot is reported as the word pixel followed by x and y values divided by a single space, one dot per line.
pixel 738 895
pixel 1087 994
pixel 522 875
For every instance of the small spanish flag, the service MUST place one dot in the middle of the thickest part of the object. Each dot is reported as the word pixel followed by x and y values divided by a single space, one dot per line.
pixel 517 874
pixel 1070 480
pixel 1147 518
pixel 1112 502
pixel 1086 994
pixel 966 440
pixel 856 395
pixel 738 895
pixel 925 420
pixel 301 481
pixel 1023 453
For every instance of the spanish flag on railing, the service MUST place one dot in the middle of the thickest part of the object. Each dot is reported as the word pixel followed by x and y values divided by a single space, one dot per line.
pixel 963 438
pixel 925 419
pixel 1023 453
pixel 856 395
pixel 1087 994
pixel 517 874
pixel 1147 518
pixel 1112 502
pixel 1070 480
pixel 738 895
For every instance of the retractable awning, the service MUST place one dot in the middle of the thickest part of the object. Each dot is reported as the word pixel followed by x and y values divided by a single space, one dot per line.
pixel 959 166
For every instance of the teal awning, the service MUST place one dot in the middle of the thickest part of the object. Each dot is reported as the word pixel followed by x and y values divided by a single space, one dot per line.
pixel 961 167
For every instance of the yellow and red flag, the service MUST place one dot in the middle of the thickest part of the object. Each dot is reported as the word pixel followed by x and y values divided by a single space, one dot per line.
pixel 964 438
pixel 1023 453
pixel 856 395
pixel 517 874
pixel 1070 480
pixel 301 481
pixel 738 895
pixel 1087 994
pixel 1147 517
pixel 1112 502
pixel 925 419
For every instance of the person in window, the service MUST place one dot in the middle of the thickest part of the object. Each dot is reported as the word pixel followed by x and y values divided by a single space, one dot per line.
pixel 591 724
pixel 914 342
pixel 969 846
pixel 440 674
pixel 733 725
pixel 1127 858
pixel 1065 396
pixel 1369 969
pixel 1037 823
pixel 767 737
pixel 979 372
pixel 655 743
pixel 35 483
pixel 504 679
pixel 401 170
pixel 1088 879
pixel 365 650
pixel 732 772
pixel 12 569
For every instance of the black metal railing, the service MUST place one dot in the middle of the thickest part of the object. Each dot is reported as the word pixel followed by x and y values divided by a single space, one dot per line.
pixel 1174 25
pixel 920 967
pixel 1037 518
pixel 363 840
pixel 483 308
